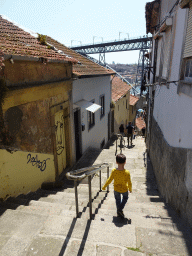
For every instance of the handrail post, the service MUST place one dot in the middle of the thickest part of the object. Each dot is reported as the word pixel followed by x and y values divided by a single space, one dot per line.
pixel 76 199
pixel 116 145
pixel 100 179
pixel 90 198
pixel 121 144
pixel 108 177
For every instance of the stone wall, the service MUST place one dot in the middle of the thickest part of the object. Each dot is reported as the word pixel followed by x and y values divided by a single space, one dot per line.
pixel 171 166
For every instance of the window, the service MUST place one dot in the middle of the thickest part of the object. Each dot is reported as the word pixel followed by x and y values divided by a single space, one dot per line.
pixel 91 118
pixel 158 56
pixel 188 70
pixel 102 103
pixel 187 55
pixel 126 104
pixel 164 41
pixel 166 53
pixel 163 55
pixel 185 84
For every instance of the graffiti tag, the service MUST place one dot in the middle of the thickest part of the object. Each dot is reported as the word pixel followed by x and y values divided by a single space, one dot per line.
pixel 37 163
pixel 59 130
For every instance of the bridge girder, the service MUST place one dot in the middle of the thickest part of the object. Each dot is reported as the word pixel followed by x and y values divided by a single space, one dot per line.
pixel 142 44
pixel 116 46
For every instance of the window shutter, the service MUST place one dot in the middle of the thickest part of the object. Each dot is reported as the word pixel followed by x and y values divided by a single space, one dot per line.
pixel 166 53
pixel 188 39
pixel 158 56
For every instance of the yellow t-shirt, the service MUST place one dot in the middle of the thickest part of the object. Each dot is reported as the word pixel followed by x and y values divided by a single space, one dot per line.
pixel 122 181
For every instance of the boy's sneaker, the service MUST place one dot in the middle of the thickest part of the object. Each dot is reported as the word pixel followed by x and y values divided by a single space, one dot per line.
pixel 120 214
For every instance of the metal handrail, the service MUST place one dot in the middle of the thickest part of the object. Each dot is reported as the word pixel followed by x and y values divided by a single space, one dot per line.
pixel 122 141
pixel 86 172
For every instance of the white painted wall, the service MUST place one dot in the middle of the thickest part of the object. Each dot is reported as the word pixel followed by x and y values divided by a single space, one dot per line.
pixel 173 112
pixel 89 89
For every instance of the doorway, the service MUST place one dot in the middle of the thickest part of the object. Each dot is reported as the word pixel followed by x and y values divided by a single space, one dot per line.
pixel 77 124
pixel 60 140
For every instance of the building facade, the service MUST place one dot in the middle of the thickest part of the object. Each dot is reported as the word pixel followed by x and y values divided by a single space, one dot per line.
pixel 120 103
pixel 35 141
pixel 169 137
pixel 133 108
pixel 91 95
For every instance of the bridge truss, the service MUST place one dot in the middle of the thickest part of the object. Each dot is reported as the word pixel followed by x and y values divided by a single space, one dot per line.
pixel 143 44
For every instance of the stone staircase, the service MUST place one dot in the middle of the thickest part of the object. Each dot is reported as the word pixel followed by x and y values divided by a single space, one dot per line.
pixel 44 223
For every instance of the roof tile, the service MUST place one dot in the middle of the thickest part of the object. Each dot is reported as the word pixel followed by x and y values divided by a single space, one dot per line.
pixel 140 123
pixel 119 88
pixel 16 41
pixel 133 100
pixel 85 66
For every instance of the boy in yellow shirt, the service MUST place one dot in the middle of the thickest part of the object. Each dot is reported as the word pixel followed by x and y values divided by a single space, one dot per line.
pixel 122 183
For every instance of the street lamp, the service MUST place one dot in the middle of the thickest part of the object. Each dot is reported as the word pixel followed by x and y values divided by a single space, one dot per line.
pixel 97 37
pixel 123 33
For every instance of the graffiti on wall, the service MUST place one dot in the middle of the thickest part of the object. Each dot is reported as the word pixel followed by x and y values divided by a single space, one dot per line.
pixel 59 132
pixel 37 163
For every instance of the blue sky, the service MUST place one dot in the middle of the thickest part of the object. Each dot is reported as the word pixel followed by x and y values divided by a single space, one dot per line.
pixel 81 20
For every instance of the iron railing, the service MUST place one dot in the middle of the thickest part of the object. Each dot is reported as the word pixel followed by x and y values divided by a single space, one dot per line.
pixel 87 172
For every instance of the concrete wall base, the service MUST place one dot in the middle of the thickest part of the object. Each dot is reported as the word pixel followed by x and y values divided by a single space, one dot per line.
pixel 171 166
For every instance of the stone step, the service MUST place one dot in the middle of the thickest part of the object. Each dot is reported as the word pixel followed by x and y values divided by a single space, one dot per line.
pixel 9 205
pixel 138 220
pixel 90 230
pixel 106 201
pixel 46 245
pixel 78 224
pixel 81 201
pixel 18 201
pixel 37 194
pixel 41 208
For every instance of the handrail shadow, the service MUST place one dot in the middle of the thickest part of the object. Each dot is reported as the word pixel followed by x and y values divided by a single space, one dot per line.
pixel 86 232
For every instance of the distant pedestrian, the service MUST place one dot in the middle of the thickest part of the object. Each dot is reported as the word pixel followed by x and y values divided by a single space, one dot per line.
pixel 130 129
pixel 121 129
pixel 122 183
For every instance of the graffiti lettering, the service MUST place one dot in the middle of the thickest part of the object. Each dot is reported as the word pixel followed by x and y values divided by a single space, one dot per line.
pixel 37 163
pixel 59 131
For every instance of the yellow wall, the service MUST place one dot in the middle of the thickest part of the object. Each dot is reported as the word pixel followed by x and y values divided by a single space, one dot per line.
pixel 23 72
pixel 22 172
pixel 132 113
pixel 19 174
pixel 121 115
pixel 35 93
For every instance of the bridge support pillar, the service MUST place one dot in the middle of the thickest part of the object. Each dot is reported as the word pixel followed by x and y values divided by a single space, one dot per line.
pixel 102 58
pixel 142 64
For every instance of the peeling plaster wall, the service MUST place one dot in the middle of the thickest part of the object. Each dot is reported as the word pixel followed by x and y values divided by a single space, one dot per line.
pixel 29 120
pixel 29 115
pixel 33 131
